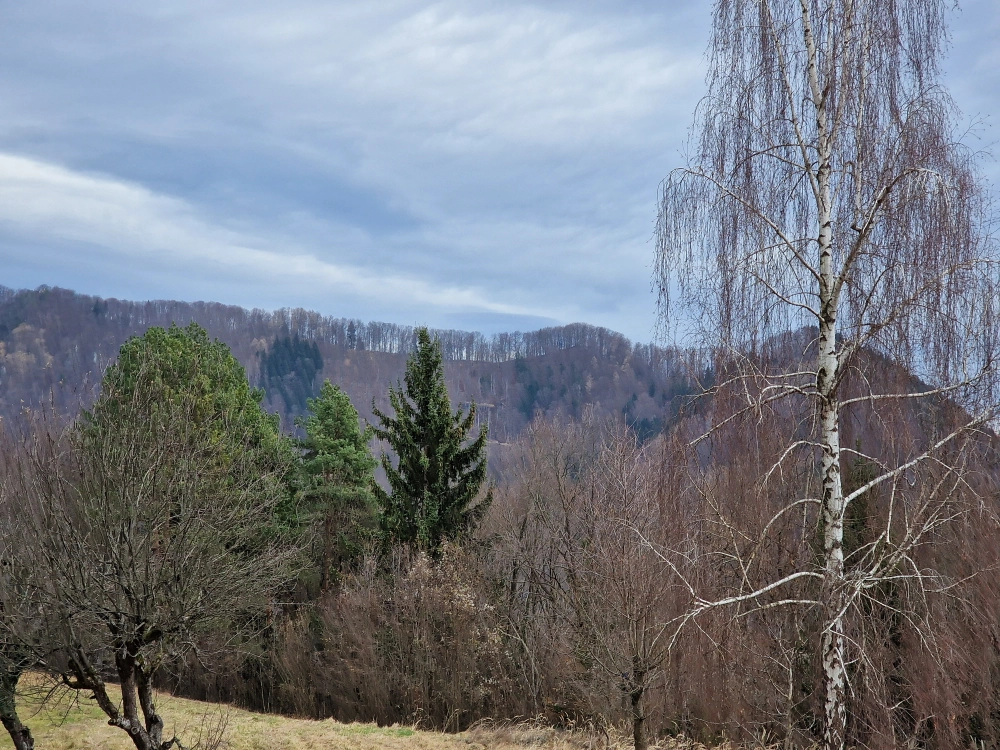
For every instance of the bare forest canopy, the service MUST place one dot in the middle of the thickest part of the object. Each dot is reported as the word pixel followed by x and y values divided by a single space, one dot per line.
pixel 55 345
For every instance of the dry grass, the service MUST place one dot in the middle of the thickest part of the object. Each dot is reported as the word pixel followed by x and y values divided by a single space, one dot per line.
pixel 538 734
pixel 66 721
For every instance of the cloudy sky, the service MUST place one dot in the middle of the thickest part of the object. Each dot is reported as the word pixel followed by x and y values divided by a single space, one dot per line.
pixel 480 165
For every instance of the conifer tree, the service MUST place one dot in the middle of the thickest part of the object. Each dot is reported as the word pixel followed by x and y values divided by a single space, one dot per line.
pixel 439 472
pixel 337 471
pixel 168 369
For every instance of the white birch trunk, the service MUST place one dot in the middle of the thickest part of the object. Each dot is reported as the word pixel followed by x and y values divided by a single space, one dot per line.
pixel 827 365
pixel 834 677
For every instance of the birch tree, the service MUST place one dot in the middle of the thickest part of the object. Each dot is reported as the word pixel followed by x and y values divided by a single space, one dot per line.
pixel 826 190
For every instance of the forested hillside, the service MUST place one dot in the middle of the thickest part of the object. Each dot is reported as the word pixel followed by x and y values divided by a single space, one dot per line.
pixel 588 581
pixel 55 343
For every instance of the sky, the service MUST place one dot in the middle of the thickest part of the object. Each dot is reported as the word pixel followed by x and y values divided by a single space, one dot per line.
pixel 477 165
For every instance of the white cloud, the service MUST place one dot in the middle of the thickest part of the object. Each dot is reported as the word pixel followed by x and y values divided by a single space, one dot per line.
pixel 52 204
pixel 483 73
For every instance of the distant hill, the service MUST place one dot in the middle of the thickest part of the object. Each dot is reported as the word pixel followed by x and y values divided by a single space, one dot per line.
pixel 55 344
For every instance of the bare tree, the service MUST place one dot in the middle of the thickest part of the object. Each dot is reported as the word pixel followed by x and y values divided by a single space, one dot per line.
pixel 619 590
pixel 130 546
pixel 533 520
pixel 15 659
pixel 826 190
pixel 584 527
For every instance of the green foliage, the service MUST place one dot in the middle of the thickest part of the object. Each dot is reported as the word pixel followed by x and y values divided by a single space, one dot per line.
pixel 337 471
pixel 439 472
pixel 166 373
pixel 289 369
pixel 336 453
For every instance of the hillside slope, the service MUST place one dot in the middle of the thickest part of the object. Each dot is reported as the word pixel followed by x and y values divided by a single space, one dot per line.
pixel 55 343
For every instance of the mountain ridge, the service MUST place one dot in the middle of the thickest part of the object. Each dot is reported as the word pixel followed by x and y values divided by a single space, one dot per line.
pixel 55 344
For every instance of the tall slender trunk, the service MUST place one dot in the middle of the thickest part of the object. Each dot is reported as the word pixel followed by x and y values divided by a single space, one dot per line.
pixel 324 575
pixel 827 375
pixel 832 647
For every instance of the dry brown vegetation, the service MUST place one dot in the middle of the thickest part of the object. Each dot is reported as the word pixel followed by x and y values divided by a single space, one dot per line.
pixel 562 607
pixel 70 722
pixel 554 611
pixel 566 603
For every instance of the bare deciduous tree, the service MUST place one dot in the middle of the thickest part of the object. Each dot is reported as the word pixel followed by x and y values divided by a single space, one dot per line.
pixel 585 527
pixel 15 659
pixel 826 190
pixel 619 589
pixel 127 546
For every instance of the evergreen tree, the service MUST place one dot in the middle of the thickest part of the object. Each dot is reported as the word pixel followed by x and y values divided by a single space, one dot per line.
pixel 175 371
pixel 439 472
pixel 169 369
pixel 289 369
pixel 337 473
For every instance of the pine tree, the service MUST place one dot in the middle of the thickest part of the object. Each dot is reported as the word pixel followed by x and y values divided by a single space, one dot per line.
pixel 338 472
pixel 439 472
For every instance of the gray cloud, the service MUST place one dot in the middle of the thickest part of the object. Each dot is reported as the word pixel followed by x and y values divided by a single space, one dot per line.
pixel 479 165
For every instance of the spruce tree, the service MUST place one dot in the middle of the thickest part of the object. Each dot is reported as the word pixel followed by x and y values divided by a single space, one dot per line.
pixel 337 473
pixel 439 471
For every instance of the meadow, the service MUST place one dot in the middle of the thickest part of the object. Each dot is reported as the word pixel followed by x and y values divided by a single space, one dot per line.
pixel 64 721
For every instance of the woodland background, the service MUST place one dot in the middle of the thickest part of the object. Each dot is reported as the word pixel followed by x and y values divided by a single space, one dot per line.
pixel 548 609
pixel 55 344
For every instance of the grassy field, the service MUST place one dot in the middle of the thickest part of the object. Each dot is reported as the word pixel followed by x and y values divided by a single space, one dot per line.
pixel 68 722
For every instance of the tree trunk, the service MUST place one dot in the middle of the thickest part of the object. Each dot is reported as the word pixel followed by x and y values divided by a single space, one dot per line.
pixel 127 669
pixel 327 561
pixel 19 733
pixel 638 717
pixel 638 722
pixel 832 646
pixel 827 377
pixel 145 731
pixel 154 722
